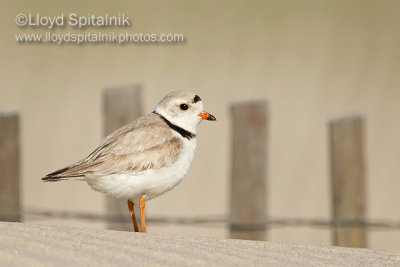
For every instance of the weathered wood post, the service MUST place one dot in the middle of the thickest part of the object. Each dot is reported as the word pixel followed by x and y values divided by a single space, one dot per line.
pixel 121 106
pixel 9 167
pixel 348 182
pixel 249 174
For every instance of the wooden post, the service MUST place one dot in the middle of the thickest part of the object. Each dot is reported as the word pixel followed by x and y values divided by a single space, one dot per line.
pixel 9 167
pixel 121 106
pixel 348 182
pixel 249 160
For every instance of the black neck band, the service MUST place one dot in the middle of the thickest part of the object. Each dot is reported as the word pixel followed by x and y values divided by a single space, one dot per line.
pixel 181 131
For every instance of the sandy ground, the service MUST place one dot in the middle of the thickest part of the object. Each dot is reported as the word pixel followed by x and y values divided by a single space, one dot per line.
pixel 34 245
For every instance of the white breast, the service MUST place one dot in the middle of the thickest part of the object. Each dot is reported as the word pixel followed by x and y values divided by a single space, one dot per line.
pixel 150 183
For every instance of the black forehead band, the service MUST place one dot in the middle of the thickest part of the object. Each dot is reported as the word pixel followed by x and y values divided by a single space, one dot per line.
pixel 196 99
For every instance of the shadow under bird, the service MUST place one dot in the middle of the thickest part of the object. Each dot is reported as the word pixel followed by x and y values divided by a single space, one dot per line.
pixel 145 158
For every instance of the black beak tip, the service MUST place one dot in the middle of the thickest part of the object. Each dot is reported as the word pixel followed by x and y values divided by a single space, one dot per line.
pixel 211 118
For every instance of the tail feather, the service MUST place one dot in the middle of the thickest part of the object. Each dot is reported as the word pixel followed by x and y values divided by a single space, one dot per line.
pixel 61 178
pixel 58 176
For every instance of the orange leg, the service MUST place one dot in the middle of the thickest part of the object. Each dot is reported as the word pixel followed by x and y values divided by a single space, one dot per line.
pixel 132 212
pixel 142 219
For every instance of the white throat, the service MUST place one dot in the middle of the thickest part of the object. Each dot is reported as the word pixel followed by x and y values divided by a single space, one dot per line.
pixel 189 122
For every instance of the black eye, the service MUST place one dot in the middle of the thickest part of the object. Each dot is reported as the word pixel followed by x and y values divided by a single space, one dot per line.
pixel 183 106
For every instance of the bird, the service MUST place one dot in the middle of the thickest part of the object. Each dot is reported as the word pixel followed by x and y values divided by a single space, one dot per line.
pixel 145 158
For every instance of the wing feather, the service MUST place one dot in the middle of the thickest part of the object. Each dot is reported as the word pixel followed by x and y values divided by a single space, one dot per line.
pixel 147 143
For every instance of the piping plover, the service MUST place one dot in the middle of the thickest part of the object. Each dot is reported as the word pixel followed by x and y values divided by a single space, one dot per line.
pixel 146 157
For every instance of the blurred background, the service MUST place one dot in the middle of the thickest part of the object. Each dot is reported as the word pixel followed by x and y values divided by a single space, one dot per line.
pixel 313 61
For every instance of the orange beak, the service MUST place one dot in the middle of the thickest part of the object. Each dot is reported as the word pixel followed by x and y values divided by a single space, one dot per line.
pixel 204 115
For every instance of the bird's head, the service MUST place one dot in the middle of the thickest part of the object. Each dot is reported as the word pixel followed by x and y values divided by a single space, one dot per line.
pixel 184 109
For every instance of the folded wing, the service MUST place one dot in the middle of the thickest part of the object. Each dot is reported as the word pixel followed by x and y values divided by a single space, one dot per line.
pixel 147 143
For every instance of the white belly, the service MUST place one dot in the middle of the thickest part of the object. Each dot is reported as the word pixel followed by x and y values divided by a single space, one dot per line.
pixel 150 183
